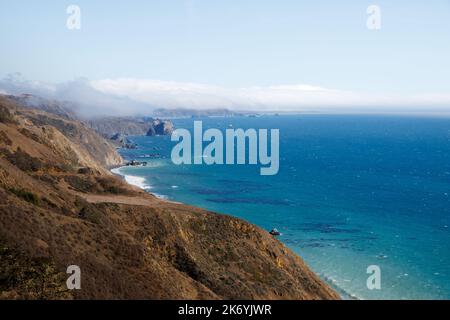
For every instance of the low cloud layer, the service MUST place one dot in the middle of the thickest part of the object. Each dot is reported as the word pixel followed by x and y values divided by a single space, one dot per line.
pixel 86 100
pixel 130 96
pixel 271 98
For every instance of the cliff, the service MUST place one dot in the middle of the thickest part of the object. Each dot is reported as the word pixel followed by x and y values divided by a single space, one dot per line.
pixel 160 128
pixel 59 207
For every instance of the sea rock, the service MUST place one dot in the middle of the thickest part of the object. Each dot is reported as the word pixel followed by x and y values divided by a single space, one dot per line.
pixel 160 128
pixel 121 138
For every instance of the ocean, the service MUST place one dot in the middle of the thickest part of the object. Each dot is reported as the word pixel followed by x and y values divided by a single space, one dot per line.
pixel 352 192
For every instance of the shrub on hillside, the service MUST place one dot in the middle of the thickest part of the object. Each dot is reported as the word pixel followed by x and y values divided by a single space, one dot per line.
pixel 82 183
pixel 27 133
pixel 22 277
pixel 5 115
pixel 90 184
pixel 4 139
pixel 112 185
pixel 91 213
pixel 23 160
pixel 26 195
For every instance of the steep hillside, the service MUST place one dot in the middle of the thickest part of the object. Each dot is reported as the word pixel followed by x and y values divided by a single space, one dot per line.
pixel 59 207
pixel 48 135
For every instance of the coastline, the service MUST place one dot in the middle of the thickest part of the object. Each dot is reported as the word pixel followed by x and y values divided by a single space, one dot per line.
pixel 129 244
pixel 132 180
pixel 138 182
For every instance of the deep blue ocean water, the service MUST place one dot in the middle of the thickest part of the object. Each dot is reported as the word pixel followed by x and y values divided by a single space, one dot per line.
pixel 352 191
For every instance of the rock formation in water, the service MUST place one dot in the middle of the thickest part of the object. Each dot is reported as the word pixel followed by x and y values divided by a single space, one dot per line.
pixel 160 128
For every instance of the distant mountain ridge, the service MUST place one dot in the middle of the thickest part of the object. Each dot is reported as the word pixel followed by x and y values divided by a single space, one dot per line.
pixel 189 113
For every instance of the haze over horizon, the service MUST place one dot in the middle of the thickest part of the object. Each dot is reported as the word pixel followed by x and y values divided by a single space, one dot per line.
pixel 261 56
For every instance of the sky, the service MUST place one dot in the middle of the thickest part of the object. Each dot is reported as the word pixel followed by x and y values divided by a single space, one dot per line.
pixel 284 54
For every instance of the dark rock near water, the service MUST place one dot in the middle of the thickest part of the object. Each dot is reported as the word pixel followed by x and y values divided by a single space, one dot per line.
pixel 119 137
pixel 123 141
pixel 134 163
pixel 160 128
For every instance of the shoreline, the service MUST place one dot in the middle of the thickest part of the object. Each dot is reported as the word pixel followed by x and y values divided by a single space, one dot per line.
pixel 138 182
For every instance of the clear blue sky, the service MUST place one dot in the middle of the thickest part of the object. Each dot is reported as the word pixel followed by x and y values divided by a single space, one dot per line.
pixel 233 43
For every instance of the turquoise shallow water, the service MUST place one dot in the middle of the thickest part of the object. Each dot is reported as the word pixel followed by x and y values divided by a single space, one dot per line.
pixel 352 191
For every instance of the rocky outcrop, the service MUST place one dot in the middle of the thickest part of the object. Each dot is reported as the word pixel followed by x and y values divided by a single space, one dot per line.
pixel 128 244
pixel 160 128
pixel 120 138
pixel 123 142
